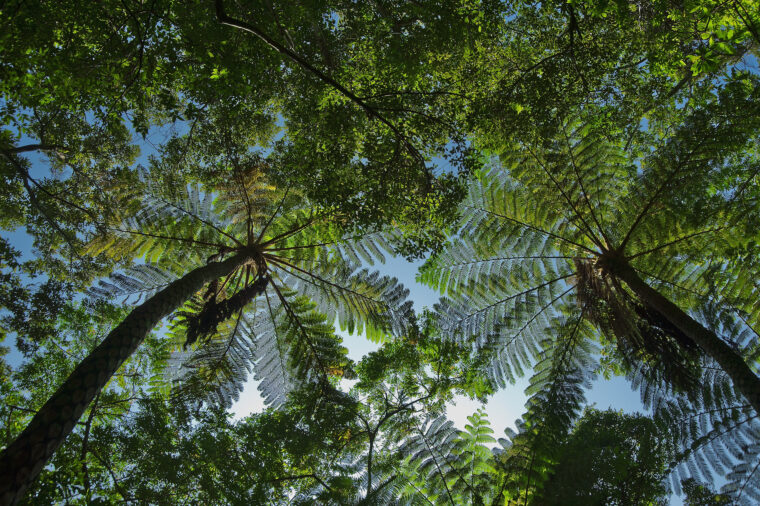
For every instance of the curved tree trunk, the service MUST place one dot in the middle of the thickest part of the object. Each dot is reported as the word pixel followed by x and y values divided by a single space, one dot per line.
pixel 745 381
pixel 24 458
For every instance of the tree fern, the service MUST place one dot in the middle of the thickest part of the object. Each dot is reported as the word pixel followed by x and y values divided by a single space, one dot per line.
pixel 568 233
pixel 302 250
pixel 225 256
pixel 565 229
pixel 584 215
pixel 477 478
pixel 448 466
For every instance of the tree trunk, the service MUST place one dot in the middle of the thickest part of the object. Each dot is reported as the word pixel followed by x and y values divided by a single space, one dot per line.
pixel 745 381
pixel 24 458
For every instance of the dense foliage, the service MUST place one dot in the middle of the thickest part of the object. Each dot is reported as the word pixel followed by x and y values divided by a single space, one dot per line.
pixel 196 194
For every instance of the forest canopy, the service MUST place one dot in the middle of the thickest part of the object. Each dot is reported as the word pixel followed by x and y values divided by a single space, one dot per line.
pixel 201 194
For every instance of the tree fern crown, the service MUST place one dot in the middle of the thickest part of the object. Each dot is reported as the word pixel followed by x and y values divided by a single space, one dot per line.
pixel 304 272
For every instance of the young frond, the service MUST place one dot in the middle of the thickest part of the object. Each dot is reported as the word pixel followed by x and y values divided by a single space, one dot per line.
pixel 499 208
pixel 579 171
pixel 468 261
pixel 475 479
pixel 249 202
pixel 448 466
pixel 185 223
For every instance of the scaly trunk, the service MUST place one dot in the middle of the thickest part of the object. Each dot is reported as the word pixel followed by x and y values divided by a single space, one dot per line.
pixel 24 458
pixel 745 381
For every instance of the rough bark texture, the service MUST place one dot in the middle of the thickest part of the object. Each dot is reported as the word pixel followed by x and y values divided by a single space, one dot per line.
pixel 24 458
pixel 745 381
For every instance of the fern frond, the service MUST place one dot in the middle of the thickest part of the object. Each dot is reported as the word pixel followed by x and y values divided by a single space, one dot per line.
pixel 505 274
pixel 281 333
pixel 713 431
pixel 556 398
pixel 428 449
pixel 271 358
pixel 367 248
pixel 314 349
pixel 134 285
pixel 216 372
pixel 360 300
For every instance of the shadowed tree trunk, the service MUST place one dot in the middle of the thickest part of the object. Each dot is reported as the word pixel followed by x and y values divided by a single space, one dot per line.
pixel 24 458
pixel 745 381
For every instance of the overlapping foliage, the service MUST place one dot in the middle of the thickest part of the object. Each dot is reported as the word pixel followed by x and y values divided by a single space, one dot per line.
pixel 319 137
pixel 277 310
pixel 542 235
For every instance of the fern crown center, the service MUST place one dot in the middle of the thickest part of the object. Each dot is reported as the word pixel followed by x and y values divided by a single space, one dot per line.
pixel 610 261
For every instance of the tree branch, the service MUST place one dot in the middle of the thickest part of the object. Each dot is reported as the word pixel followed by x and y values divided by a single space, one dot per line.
pixel 224 19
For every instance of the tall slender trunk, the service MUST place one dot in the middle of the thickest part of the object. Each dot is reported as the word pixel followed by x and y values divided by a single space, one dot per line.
pixel 24 458
pixel 745 381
